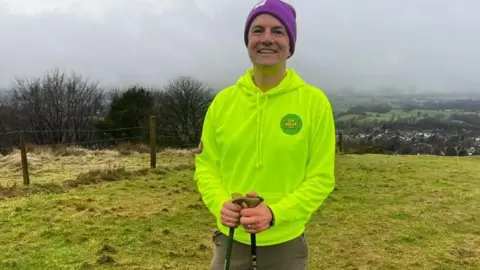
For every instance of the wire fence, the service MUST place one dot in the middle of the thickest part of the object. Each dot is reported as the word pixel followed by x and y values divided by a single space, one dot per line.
pixel 46 156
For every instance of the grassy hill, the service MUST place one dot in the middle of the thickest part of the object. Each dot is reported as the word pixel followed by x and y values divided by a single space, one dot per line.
pixel 388 212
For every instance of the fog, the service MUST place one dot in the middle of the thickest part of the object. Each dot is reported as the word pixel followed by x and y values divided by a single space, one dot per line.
pixel 368 45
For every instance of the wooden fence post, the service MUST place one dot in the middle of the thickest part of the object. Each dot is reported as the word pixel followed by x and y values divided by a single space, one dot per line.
pixel 23 153
pixel 153 142
pixel 340 142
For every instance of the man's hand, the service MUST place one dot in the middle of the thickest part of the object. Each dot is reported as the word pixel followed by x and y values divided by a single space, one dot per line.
pixel 230 214
pixel 255 220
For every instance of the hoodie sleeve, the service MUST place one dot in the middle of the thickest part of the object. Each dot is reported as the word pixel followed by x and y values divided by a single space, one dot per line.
pixel 319 178
pixel 207 172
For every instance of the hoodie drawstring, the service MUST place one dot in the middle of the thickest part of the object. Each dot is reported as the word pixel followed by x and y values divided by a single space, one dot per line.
pixel 260 122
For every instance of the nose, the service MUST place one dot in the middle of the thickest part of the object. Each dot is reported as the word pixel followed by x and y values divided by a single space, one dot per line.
pixel 267 37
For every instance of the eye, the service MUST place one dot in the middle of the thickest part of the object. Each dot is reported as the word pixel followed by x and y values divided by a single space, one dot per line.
pixel 278 31
pixel 256 31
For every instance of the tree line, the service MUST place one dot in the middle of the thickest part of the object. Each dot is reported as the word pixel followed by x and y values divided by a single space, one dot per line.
pixel 60 108
pixel 64 109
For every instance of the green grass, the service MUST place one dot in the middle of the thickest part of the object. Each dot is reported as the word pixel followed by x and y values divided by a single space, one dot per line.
pixel 388 212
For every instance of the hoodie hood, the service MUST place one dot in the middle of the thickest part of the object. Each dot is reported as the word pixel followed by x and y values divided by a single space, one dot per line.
pixel 291 82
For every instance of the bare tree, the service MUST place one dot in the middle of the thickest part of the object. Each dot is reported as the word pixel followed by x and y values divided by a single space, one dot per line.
pixel 8 139
pixel 57 108
pixel 181 108
pixel 5 113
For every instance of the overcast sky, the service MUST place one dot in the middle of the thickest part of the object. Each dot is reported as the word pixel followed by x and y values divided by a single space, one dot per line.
pixel 427 45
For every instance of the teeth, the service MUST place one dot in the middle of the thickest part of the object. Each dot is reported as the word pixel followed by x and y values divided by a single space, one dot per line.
pixel 266 51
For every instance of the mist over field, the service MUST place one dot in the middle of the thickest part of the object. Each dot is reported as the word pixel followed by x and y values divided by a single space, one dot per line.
pixel 399 46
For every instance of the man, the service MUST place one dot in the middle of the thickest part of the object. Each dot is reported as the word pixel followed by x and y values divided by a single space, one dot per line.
pixel 272 135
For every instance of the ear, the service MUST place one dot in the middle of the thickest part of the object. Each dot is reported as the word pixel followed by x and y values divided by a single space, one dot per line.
pixel 288 50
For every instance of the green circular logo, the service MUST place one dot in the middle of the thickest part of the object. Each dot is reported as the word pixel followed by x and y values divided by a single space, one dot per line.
pixel 291 124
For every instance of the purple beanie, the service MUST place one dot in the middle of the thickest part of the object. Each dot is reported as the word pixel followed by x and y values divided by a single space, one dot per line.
pixel 284 12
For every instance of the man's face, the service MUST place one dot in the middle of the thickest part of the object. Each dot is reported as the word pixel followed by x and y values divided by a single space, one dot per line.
pixel 268 42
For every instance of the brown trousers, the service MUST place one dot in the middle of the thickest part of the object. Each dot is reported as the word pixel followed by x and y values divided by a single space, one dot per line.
pixel 291 255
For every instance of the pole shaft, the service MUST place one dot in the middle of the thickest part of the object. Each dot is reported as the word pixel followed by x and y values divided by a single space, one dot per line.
pixel 253 240
pixel 229 248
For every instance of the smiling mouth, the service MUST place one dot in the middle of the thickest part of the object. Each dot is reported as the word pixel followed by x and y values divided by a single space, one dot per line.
pixel 266 51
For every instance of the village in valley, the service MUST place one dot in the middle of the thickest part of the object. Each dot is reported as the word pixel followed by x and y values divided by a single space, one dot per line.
pixel 408 124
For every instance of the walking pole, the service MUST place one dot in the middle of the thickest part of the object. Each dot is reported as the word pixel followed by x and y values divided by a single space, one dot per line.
pixel 229 248
pixel 236 199
pixel 245 202
pixel 253 237
pixel 253 241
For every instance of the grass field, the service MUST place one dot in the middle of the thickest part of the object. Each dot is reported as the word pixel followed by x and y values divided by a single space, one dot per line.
pixel 388 212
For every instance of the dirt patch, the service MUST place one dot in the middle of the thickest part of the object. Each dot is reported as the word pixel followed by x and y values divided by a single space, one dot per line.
pixel 18 191
pixel 127 148
pixel 89 178
pixel 98 176
pixel 184 167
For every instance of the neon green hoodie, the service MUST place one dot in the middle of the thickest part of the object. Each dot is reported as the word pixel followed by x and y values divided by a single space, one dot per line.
pixel 280 144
